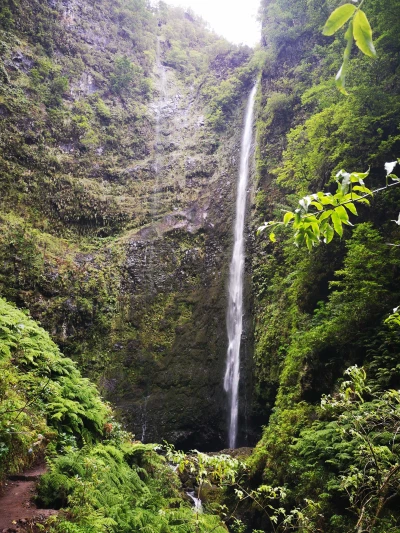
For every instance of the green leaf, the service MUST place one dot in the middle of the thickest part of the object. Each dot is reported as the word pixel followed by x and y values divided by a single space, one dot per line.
pixel 363 34
pixel 309 219
pixel 341 211
pixel 311 237
pixel 325 199
pixel 329 233
pixel 297 220
pixel 362 188
pixel 272 237
pixel 337 224
pixel 352 208
pixel 325 214
pixel 363 201
pixel 358 177
pixel 340 79
pixel 337 18
pixel 288 217
pixel 298 238
pixel 317 205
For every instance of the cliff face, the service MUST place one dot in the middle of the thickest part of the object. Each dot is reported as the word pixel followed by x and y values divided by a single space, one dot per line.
pixel 171 328
pixel 120 133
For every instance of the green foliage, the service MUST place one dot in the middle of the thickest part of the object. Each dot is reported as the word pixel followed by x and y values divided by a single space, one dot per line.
pixel 41 392
pixel 320 134
pixel 102 109
pixel 345 460
pixel 78 299
pixel 340 330
pixel 114 486
pixel 359 449
pixel 47 80
pixel 221 468
pixel 330 211
pixel 226 96
pixel 321 309
pixel 75 132
pixel 6 18
pixel 192 50
pixel 119 488
pixel 227 472
pixel 123 75
pixel 337 18
pixel 312 227
pixel 363 34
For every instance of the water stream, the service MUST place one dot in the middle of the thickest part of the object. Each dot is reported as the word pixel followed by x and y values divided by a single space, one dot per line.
pixel 235 297
pixel 197 505
pixel 144 418
pixel 160 105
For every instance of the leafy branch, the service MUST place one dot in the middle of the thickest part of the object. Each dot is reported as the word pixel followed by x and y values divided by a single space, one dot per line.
pixel 321 215
pixel 358 29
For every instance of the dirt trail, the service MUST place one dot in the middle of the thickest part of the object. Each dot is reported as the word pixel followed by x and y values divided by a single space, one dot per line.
pixel 16 505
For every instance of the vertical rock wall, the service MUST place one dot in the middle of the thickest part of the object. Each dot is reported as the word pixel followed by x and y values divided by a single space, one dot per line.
pixel 171 342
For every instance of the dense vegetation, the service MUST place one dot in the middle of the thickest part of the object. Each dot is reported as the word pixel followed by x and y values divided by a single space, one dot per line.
pixel 103 479
pixel 321 311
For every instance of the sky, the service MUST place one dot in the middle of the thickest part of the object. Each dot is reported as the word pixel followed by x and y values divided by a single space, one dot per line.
pixel 236 20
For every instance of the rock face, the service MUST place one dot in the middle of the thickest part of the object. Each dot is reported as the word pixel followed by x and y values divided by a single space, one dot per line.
pixel 120 192
pixel 171 355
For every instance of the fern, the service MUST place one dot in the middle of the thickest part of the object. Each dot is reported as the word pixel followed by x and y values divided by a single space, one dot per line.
pixel 110 487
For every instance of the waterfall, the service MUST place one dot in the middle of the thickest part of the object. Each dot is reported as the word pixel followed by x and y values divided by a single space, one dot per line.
pixel 158 107
pixel 144 418
pixel 161 73
pixel 234 318
pixel 197 505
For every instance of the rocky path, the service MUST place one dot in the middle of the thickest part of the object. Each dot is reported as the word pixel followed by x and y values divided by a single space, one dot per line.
pixel 17 509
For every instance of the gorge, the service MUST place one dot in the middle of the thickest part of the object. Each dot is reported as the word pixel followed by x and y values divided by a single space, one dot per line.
pixel 139 154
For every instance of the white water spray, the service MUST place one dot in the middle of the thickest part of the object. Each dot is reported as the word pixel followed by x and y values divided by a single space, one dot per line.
pixel 197 505
pixel 162 75
pixel 235 298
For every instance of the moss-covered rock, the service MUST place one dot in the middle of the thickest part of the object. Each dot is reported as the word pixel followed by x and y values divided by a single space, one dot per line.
pixel 118 199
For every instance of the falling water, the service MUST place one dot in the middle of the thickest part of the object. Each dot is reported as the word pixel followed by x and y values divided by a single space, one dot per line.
pixel 197 505
pixel 235 297
pixel 161 73
pixel 144 418
pixel 154 193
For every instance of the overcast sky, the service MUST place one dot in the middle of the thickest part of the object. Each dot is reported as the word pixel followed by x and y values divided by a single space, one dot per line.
pixel 236 20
